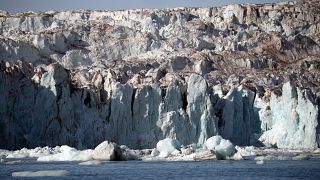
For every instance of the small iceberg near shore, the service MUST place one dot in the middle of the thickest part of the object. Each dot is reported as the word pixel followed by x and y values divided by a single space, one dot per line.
pixel 68 154
pixel 89 163
pixel 48 173
pixel 214 148
pixel 106 151
pixel 223 148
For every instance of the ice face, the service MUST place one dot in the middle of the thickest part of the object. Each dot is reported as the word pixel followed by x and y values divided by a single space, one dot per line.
pixel 135 77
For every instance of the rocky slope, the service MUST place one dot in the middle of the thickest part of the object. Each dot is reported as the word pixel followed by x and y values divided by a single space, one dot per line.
pixel 247 72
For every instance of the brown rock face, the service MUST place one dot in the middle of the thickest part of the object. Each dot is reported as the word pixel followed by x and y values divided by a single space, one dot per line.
pixel 138 76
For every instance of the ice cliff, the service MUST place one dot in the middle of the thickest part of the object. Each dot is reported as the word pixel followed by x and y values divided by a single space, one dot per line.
pixel 249 73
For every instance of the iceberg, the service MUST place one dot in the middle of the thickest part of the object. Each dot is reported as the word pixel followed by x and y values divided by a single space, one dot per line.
pixel 49 173
pixel 168 146
pixel 68 154
pixel 223 148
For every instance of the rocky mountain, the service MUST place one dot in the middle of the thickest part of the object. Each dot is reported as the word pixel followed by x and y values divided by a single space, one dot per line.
pixel 249 73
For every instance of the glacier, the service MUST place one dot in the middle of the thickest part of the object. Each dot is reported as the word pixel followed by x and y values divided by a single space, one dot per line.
pixel 249 73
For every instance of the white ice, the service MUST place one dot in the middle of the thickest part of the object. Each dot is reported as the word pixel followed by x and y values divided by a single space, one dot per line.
pixel 68 154
pixel 88 163
pixel 52 173
pixel 222 147
pixel 212 142
pixel 168 146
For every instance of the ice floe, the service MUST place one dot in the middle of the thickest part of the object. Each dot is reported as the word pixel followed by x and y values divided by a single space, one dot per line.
pixel 69 154
pixel 52 173
pixel 105 151
pixel 215 148
pixel 167 146
pixel 88 163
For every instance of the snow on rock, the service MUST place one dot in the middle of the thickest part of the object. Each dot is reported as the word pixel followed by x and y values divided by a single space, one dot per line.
pixel 168 146
pixel 49 173
pixel 105 151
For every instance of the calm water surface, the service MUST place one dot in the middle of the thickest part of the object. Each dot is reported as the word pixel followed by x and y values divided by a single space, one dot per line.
pixel 309 169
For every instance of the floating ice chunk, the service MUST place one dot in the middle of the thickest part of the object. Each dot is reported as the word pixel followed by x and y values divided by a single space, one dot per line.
pixel 66 148
pixel 155 152
pixel 164 154
pixel 237 156
pixel 105 151
pixel 301 157
pixel 176 152
pixel 124 153
pixel 203 154
pixel 246 151
pixel 68 154
pixel 93 162
pixel 23 153
pixel 212 142
pixel 260 162
pixel 224 149
pixel 167 146
pixel 53 173
pixel 11 162
pixel 285 157
pixel 26 153
pixel 38 152
pixel 18 155
pixel 187 150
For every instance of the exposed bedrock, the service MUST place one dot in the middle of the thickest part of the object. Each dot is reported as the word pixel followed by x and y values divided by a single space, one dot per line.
pixel 250 73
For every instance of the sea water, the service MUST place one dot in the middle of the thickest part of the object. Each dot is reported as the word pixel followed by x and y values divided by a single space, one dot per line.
pixel 246 169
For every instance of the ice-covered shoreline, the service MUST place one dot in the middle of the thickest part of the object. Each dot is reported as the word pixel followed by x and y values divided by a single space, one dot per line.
pixel 250 73
pixel 166 150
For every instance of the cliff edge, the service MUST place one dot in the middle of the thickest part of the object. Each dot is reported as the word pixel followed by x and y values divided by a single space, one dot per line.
pixel 249 73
